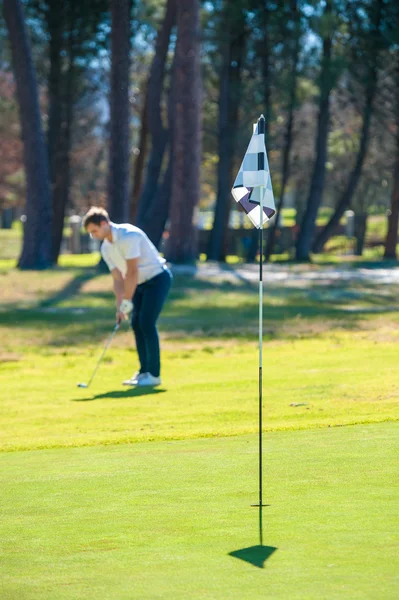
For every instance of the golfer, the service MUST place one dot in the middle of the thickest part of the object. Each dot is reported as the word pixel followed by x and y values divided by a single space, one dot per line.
pixel 141 284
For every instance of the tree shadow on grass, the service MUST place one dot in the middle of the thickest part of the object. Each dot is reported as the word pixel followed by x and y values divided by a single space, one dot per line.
pixel 72 288
pixel 129 393
pixel 67 327
pixel 207 308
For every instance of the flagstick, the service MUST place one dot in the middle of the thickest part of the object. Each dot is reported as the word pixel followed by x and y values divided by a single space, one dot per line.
pixel 250 177
pixel 260 341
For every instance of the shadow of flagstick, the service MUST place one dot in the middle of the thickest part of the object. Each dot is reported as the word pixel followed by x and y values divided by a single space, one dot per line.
pixel 255 555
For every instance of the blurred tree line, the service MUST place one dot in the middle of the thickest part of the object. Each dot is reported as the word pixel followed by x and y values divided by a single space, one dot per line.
pixel 147 108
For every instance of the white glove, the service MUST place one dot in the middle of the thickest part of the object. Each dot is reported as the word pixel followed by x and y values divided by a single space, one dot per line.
pixel 126 307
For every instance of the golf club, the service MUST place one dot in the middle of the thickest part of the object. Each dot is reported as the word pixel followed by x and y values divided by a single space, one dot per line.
pixel 86 385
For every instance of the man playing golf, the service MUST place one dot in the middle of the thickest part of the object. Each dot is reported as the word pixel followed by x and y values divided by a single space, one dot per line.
pixel 141 284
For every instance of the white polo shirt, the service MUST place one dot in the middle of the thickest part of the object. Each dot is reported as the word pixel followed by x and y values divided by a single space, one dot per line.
pixel 129 242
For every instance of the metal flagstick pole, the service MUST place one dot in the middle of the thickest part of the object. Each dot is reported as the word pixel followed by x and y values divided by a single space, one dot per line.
pixel 253 179
pixel 260 342
pixel 261 166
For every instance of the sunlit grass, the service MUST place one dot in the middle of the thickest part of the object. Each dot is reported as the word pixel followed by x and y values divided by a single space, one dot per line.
pixel 173 519
pixel 124 493
pixel 79 260
pixel 330 353
pixel 10 244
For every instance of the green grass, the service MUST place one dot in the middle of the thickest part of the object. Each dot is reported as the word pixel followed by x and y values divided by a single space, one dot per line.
pixel 173 520
pixel 10 243
pixel 330 358
pixel 110 493
pixel 209 390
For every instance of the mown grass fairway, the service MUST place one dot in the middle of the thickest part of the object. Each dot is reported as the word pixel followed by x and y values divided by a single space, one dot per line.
pixel 87 513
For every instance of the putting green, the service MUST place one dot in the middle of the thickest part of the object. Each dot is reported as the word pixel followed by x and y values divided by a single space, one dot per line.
pixel 173 519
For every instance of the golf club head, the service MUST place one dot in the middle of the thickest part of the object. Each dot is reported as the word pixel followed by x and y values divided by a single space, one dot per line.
pixel 82 385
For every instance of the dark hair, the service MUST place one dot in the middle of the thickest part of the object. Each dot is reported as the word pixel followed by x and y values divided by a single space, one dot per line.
pixel 95 215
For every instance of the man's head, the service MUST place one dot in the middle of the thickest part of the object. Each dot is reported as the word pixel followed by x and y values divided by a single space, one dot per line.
pixel 96 222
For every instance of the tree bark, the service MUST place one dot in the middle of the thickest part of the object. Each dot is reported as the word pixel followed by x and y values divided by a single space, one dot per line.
pixel 36 251
pixel 253 246
pixel 304 240
pixel 272 233
pixel 360 233
pixel 157 216
pixel 55 21
pixel 266 70
pixel 158 133
pixel 118 177
pixel 62 173
pixel 229 102
pixel 138 169
pixel 183 239
pixel 7 217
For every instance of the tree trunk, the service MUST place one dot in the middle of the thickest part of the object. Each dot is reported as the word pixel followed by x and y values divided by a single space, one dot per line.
pixel 7 217
pixel 346 198
pixel 317 183
pixel 157 216
pixel 36 251
pixel 158 133
pixel 271 238
pixel 360 233
pixel 63 168
pixel 393 219
pixel 183 239
pixel 55 22
pixel 138 170
pixel 253 246
pixel 118 177
pixel 229 102
pixel 92 183
pixel 266 70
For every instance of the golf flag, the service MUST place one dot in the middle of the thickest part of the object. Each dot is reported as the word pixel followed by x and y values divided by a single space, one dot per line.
pixel 253 190
pixel 254 179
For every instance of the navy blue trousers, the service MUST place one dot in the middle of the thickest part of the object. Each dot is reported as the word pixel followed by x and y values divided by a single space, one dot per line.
pixel 148 301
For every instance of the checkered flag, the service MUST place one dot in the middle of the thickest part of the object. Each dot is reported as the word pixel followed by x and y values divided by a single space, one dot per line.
pixel 254 179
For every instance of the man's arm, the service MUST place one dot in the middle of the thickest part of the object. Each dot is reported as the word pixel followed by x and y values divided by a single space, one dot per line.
pixel 119 291
pixel 124 288
pixel 131 279
pixel 119 286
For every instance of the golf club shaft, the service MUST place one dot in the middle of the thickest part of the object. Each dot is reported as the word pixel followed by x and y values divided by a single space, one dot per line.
pixel 104 351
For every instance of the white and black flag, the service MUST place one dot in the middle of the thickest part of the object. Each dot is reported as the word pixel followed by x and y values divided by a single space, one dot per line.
pixel 254 179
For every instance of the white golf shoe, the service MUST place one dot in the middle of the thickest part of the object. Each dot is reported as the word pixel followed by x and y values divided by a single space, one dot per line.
pixel 146 379
pixel 134 379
